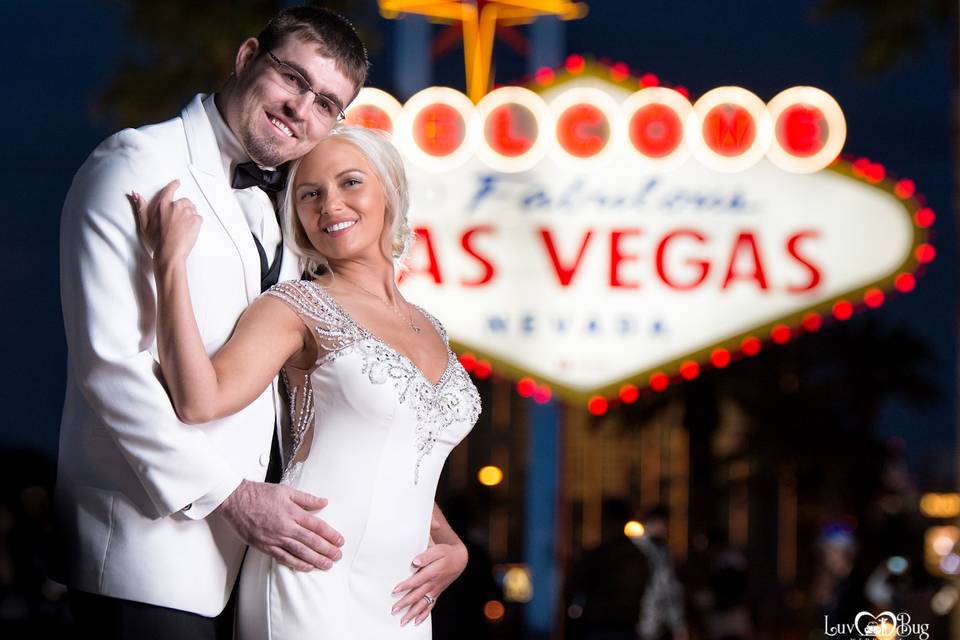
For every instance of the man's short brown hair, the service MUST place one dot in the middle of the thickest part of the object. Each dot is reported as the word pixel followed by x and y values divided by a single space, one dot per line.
pixel 333 33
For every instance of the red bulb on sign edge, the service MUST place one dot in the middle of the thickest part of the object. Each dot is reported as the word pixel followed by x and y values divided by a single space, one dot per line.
pixel 544 75
pixel 873 298
pixel 575 63
pixel 750 346
pixel 659 381
pixel 689 370
pixel 780 334
pixel 651 80
pixel 924 217
pixel 629 393
pixel 812 322
pixel 468 361
pixel 482 370
pixel 526 387
pixel 598 405
pixel 905 282
pixel 543 394
pixel 720 358
pixel 925 253
pixel 842 310
pixel 904 188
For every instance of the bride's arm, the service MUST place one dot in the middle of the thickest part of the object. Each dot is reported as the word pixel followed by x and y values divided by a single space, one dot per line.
pixel 268 333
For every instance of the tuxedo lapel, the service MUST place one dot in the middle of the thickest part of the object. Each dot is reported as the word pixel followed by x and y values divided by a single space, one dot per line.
pixel 207 169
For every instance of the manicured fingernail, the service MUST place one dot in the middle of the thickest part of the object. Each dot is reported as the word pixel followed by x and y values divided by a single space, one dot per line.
pixel 416 562
pixel 393 611
pixel 395 591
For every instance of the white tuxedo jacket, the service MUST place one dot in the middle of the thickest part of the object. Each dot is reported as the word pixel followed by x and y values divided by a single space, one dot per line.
pixel 128 467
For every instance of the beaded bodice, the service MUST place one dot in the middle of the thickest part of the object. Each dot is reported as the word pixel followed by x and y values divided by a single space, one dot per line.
pixel 452 399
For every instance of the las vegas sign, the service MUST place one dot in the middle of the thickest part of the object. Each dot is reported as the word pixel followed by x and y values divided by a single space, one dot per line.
pixel 591 239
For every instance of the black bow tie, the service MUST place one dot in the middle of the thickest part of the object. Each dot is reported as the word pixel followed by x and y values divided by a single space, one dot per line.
pixel 249 174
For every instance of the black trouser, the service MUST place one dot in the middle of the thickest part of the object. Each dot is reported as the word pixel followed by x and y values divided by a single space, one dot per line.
pixel 106 618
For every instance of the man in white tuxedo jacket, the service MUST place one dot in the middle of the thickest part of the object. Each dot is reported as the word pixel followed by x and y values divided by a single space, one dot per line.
pixel 156 514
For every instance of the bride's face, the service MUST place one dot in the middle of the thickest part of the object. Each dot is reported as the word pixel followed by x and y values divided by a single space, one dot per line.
pixel 340 202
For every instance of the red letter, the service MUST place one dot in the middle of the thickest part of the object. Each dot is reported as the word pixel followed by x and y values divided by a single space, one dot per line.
pixel 432 268
pixel 564 273
pixel 486 264
pixel 583 130
pixel 616 258
pixel 792 250
pixel 704 265
pixel 745 238
pixel 502 136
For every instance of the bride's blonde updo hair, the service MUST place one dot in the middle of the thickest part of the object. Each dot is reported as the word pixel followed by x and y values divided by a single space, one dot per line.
pixel 386 162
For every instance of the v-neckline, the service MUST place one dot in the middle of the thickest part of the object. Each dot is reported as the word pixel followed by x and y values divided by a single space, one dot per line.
pixel 370 334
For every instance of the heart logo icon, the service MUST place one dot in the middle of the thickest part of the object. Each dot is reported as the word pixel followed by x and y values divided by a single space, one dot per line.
pixel 883 625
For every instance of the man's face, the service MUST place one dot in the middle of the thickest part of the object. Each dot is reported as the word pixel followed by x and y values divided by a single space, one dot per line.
pixel 273 123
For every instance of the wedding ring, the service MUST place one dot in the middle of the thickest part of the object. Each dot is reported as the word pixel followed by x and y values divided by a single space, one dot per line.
pixel 429 598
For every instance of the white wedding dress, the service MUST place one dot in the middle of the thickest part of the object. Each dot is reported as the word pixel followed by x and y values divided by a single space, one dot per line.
pixel 370 433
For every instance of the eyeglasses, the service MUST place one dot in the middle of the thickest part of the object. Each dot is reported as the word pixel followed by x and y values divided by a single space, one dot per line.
pixel 327 107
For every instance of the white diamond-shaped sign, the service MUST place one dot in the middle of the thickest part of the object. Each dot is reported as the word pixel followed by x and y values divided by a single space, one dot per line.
pixel 590 279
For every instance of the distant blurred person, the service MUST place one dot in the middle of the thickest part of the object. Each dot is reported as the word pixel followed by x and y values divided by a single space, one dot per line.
pixel 606 588
pixel 662 613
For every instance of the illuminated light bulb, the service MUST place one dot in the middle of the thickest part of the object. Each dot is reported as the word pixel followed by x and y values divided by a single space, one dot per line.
pixel 904 188
pixel 720 358
pixel 517 586
pixel 924 217
pixel 659 381
pixel 842 310
pixel 526 387
pixel 490 476
pixel 689 370
pixel 943 545
pixel 598 405
pixel 950 565
pixel 812 322
pixel 482 370
pixel 873 298
pixel 633 529
pixel 925 253
pixel 543 394
pixel 629 393
pixel 897 565
pixel 468 361
pixel 575 63
pixel 875 172
pixel 905 282
pixel 493 610
pixel 750 346
pixel 544 76
pixel 780 334
pixel 619 72
pixel 651 80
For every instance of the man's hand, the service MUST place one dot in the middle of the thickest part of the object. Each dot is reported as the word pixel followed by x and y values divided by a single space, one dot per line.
pixel 436 569
pixel 278 521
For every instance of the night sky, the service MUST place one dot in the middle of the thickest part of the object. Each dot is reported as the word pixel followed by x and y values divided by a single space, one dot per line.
pixel 59 56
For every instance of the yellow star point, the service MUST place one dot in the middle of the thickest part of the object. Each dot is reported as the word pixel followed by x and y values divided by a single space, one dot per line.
pixel 479 19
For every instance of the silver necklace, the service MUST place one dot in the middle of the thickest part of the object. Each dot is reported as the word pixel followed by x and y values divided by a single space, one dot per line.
pixel 408 320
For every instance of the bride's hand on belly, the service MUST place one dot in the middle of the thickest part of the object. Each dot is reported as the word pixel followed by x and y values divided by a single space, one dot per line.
pixel 437 568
